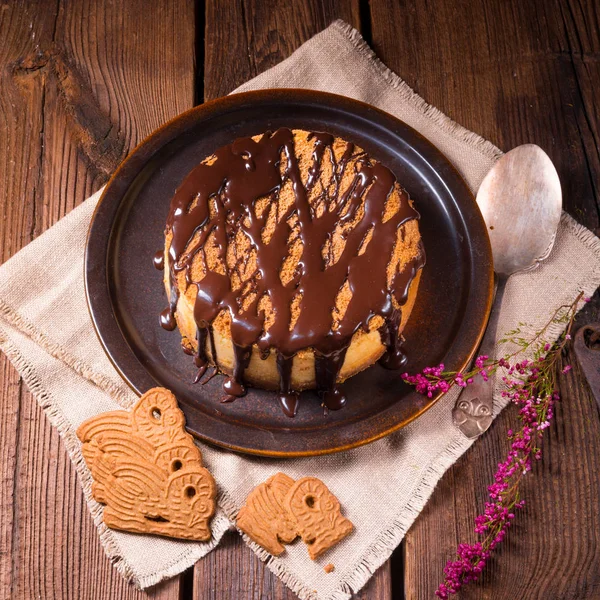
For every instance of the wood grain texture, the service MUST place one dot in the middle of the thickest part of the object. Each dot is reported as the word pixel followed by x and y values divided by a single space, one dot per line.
pixel 10 389
pixel 246 37
pixel 521 72
pixel 233 572
pixel 81 83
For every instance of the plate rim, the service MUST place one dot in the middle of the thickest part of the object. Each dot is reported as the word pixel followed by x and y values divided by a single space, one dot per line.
pixel 178 125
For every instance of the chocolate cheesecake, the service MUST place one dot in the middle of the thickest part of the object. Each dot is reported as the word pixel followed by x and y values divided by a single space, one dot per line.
pixel 291 261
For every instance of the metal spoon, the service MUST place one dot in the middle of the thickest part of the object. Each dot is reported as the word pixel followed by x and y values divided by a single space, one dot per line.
pixel 521 202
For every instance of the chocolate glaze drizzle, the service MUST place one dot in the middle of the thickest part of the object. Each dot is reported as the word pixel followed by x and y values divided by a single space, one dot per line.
pixel 245 171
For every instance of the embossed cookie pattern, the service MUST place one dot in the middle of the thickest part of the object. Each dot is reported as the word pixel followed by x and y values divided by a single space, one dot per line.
pixel 264 519
pixel 317 514
pixel 280 509
pixel 147 471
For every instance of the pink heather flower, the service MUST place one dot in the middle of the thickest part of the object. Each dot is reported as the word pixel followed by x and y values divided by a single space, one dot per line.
pixel 480 360
pixel 429 381
pixel 529 387
pixel 535 413
pixel 460 381
pixel 587 299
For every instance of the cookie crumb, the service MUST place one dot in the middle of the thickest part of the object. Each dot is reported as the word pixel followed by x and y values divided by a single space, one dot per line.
pixel 328 568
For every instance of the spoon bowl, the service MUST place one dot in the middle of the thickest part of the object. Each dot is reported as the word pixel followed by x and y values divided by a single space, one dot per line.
pixel 521 202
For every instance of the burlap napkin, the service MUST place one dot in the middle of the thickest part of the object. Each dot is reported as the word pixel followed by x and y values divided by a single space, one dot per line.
pixel 46 332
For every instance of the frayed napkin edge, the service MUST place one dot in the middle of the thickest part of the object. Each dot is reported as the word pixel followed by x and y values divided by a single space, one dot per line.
pixel 440 119
pixel 110 545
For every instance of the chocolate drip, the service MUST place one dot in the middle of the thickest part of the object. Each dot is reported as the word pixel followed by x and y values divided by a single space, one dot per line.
pixel 200 360
pixel 159 260
pixel 200 373
pixel 402 280
pixel 394 357
pixel 218 199
pixel 327 369
pixel 213 349
pixel 204 332
pixel 234 386
pixel 289 403
pixel 167 316
pixel 167 319
pixel 215 371
pixel 287 397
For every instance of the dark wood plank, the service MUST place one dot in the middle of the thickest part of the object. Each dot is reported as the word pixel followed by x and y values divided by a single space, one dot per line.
pixel 517 60
pixel 552 549
pixel 520 72
pixel 244 39
pixel 233 572
pixel 81 84
pixel 549 100
pixel 10 389
pixel 379 586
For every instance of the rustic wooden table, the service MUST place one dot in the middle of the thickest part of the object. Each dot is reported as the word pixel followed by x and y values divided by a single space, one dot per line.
pixel 82 82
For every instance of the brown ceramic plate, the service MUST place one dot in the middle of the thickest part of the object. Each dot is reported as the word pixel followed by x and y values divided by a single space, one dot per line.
pixel 126 294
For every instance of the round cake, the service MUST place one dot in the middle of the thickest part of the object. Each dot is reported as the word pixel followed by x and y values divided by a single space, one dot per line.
pixel 291 261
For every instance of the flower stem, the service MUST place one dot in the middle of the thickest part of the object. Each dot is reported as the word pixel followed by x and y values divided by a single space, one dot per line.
pixel 531 385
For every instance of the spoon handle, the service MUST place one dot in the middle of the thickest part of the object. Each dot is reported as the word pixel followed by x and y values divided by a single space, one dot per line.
pixel 473 411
